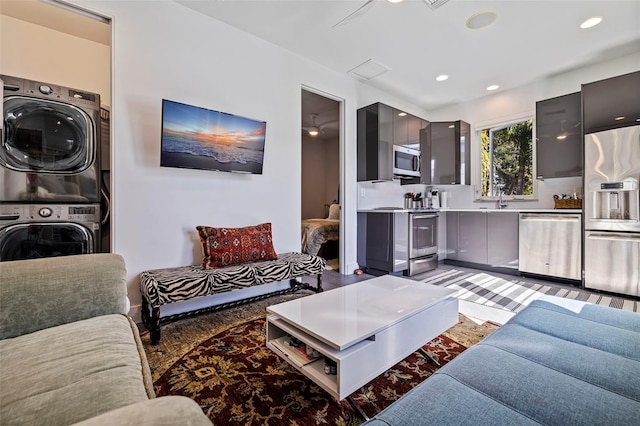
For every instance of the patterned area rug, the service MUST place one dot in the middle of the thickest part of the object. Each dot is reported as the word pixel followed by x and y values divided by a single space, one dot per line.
pixel 221 361
pixel 514 294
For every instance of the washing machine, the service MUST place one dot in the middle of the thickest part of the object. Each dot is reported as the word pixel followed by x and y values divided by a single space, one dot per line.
pixel 32 231
pixel 50 143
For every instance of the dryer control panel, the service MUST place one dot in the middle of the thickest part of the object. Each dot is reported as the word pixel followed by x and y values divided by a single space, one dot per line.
pixel 81 213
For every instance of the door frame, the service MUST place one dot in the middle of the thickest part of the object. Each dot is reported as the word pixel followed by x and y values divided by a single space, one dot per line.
pixel 341 179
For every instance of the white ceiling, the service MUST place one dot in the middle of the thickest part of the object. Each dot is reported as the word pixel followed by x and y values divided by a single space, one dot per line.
pixel 59 19
pixel 529 40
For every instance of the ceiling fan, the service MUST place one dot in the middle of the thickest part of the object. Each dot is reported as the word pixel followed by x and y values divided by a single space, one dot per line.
pixel 433 4
pixel 316 129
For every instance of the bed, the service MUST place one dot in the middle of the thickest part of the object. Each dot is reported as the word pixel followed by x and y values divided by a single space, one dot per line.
pixel 316 232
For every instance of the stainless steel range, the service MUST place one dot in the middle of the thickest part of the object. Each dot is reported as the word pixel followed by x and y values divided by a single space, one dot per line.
pixel 423 241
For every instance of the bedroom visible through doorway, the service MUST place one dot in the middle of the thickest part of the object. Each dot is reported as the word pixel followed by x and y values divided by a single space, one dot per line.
pixel 320 209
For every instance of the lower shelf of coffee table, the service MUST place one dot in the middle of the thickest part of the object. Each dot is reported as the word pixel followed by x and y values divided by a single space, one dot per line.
pixel 365 360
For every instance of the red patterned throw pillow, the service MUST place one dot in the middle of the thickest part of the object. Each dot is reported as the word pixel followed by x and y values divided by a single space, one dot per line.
pixel 232 246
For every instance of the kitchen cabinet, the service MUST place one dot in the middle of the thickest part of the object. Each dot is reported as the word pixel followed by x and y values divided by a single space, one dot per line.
pixel 380 127
pixel 611 103
pixel 375 143
pixel 406 129
pixel 472 237
pixel 383 241
pixel 485 240
pixel 550 245
pixel 559 137
pixel 446 154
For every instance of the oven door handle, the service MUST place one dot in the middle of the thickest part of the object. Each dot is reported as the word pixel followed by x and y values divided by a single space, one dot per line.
pixel 424 216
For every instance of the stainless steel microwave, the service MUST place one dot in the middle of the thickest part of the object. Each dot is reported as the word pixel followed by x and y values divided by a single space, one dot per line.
pixel 406 161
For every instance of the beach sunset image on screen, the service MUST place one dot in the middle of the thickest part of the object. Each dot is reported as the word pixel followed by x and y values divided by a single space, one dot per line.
pixel 199 138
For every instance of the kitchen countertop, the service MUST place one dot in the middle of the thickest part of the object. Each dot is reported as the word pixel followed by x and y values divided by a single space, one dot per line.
pixel 516 210
pixel 479 209
pixel 396 210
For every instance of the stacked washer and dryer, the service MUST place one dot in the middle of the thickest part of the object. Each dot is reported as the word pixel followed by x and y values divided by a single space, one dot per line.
pixel 50 192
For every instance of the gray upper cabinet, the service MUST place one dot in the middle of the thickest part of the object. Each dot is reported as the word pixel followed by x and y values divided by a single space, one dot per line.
pixel 559 137
pixel 446 154
pixel 611 103
pixel 406 129
pixel 380 127
pixel 375 143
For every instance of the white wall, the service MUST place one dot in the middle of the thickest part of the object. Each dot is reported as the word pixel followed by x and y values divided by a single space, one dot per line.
pixel 164 50
pixel 38 53
pixel 320 175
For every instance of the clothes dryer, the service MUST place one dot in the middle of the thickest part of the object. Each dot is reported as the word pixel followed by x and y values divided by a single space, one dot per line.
pixel 50 143
pixel 32 231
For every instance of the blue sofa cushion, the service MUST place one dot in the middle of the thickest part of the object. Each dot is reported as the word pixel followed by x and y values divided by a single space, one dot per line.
pixel 557 362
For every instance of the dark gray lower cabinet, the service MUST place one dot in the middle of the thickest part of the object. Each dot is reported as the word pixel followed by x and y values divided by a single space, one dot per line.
pixel 472 237
pixel 502 240
pixel 485 240
pixel 383 241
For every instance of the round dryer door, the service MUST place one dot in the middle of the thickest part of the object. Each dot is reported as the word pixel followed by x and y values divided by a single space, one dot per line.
pixel 37 240
pixel 46 136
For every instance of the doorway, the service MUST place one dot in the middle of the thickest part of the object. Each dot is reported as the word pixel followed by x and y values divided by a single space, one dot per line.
pixel 321 213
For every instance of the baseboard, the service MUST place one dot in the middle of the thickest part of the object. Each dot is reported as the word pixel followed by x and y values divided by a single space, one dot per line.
pixel 483 267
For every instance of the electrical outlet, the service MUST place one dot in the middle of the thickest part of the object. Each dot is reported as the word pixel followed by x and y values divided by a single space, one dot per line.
pixel 362 192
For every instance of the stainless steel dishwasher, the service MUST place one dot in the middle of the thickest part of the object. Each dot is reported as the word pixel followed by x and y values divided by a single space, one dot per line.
pixel 550 244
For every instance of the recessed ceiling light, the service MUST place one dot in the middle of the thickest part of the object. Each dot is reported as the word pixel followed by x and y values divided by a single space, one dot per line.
pixel 402 114
pixel 442 77
pixel 619 118
pixel 394 1
pixel 493 87
pixel 591 22
pixel 481 20
pixel 561 137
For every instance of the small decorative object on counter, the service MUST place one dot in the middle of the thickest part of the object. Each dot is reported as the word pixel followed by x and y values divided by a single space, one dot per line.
pixel 330 366
pixel 408 199
pixel 565 201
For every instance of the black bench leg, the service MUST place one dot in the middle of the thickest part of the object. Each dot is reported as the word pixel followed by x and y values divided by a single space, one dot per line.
pixel 154 329
pixel 295 284
pixel 151 320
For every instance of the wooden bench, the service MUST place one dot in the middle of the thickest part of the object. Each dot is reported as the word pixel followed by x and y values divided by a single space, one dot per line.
pixel 165 286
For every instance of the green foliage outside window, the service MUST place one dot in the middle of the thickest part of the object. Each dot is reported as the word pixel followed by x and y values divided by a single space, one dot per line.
pixel 507 160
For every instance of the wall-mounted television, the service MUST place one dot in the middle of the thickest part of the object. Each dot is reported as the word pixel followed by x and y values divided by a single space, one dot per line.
pixel 199 138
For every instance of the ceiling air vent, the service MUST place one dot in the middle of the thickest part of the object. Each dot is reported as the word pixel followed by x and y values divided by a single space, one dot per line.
pixel 369 69
pixel 434 4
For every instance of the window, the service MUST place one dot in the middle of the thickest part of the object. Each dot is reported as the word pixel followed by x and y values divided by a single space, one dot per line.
pixel 507 160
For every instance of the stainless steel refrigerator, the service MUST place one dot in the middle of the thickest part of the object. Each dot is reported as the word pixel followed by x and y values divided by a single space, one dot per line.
pixel 611 210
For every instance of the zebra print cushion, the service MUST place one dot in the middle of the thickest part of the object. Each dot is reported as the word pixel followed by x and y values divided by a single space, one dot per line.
pixel 162 286
pixel 303 264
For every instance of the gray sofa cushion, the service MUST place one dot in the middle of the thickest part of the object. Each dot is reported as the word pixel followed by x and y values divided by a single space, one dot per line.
pixel 41 293
pixel 165 411
pixel 66 374
pixel 557 362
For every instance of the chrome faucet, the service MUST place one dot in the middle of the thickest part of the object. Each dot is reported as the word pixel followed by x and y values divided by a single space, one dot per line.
pixel 501 202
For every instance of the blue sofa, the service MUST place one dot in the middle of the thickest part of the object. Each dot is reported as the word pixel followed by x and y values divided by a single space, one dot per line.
pixel 557 362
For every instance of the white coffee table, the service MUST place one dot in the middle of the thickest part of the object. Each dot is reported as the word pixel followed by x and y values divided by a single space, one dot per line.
pixel 366 327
